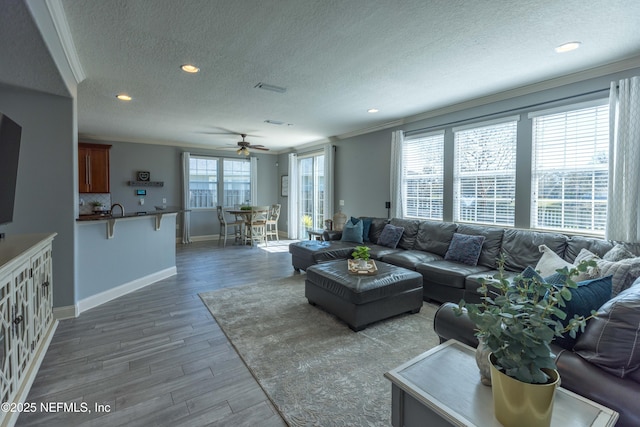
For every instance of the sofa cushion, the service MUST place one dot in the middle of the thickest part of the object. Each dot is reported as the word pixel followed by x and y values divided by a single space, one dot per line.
pixel 377 225
pixel 409 259
pixel 410 233
pixel 390 236
pixel 520 247
pixel 492 242
pixel 610 340
pixel 379 251
pixel 435 236
pixel 464 248
pixel 352 231
pixel 447 273
pixel 576 243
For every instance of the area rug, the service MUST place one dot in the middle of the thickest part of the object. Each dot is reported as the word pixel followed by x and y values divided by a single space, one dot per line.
pixel 315 370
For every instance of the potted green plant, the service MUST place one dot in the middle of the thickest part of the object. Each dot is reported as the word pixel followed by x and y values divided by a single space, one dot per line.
pixel 361 253
pixel 98 206
pixel 516 321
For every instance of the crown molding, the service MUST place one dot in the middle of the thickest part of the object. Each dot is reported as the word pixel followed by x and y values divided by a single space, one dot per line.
pixel 591 73
pixel 61 26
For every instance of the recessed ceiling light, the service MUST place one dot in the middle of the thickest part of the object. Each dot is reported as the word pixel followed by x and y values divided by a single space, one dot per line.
pixel 189 68
pixel 372 110
pixel 568 47
pixel 124 97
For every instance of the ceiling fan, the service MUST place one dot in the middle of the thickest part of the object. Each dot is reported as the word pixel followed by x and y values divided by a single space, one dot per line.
pixel 246 145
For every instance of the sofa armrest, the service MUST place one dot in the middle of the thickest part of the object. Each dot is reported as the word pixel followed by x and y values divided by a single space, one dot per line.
pixel 449 326
pixel 331 235
pixel 620 394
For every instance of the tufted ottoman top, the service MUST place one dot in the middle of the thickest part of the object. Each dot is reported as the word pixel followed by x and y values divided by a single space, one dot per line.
pixel 360 289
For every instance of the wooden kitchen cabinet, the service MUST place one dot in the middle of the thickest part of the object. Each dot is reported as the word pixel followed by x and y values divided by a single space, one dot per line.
pixel 93 164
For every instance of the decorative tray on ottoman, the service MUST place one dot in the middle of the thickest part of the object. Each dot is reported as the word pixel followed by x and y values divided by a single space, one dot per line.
pixel 369 271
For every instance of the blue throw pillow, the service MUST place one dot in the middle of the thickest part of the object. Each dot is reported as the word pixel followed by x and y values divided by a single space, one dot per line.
pixel 366 226
pixel 390 236
pixel 589 295
pixel 352 232
pixel 465 248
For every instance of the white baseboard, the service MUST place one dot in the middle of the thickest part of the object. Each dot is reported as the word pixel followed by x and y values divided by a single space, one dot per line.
pixel 204 238
pixel 118 291
pixel 65 312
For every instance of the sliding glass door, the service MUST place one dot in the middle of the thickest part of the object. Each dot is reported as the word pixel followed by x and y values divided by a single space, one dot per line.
pixel 312 193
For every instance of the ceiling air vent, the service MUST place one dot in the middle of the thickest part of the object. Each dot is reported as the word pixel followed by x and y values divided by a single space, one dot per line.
pixel 274 122
pixel 272 88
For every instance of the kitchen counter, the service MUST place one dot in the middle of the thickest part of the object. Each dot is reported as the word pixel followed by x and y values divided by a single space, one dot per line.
pixel 157 211
pixel 111 220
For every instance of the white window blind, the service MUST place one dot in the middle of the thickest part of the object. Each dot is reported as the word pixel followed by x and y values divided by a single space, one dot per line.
pixel 237 182
pixel 215 181
pixel 203 182
pixel 423 176
pixel 484 173
pixel 570 170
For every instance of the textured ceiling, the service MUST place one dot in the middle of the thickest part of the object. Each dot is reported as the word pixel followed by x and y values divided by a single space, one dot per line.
pixel 337 58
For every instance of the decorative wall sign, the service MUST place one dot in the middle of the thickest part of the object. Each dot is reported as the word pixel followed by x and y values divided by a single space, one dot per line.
pixel 143 176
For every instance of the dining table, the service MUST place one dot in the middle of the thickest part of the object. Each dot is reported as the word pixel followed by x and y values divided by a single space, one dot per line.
pixel 245 215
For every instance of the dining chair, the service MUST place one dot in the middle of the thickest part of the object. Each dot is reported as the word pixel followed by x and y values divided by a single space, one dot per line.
pixel 257 225
pixel 272 221
pixel 227 228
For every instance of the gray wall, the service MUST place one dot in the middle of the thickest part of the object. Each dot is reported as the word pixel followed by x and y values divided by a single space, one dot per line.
pixel 164 164
pixel 362 167
pixel 46 187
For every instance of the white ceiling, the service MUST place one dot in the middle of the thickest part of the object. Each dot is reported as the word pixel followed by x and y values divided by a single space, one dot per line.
pixel 336 58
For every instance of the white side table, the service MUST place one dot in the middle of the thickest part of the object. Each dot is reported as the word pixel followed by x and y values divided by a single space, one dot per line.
pixel 441 387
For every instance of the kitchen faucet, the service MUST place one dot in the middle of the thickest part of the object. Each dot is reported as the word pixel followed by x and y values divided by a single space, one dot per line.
pixel 117 204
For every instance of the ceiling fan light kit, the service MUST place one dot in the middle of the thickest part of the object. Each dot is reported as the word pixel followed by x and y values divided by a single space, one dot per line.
pixel 245 145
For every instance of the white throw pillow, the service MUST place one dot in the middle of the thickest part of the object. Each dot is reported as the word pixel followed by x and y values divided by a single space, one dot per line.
pixel 550 262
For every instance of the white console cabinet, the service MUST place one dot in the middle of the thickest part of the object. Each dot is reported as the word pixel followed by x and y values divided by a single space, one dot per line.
pixel 26 314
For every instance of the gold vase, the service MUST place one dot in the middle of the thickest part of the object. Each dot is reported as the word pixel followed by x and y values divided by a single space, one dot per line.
pixel 519 404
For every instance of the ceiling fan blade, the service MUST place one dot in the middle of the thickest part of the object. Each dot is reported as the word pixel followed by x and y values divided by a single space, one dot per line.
pixel 258 147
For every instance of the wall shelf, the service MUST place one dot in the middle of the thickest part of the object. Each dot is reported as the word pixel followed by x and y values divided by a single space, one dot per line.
pixel 146 183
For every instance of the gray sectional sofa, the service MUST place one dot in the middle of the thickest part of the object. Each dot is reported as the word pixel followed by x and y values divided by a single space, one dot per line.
pixel 424 243
pixel 602 365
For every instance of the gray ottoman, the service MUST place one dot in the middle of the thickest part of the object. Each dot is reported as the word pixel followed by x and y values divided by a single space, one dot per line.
pixel 360 300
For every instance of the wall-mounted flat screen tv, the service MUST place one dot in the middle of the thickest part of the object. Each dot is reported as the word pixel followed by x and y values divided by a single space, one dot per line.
pixel 10 133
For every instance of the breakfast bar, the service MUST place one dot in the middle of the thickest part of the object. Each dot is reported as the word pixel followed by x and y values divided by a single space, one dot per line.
pixel 138 249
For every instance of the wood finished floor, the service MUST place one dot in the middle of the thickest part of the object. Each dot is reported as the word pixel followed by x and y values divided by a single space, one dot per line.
pixel 156 356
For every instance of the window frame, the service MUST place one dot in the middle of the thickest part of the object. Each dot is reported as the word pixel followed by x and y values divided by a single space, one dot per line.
pixel 504 180
pixel 428 145
pixel 220 187
pixel 598 186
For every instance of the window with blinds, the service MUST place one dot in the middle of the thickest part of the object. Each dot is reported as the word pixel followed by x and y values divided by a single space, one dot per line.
pixel 570 169
pixel 485 172
pixel 215 181
pixel 423 176
pixel 203 182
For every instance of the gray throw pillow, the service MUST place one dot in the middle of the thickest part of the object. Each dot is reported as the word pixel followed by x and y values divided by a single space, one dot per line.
pixel 390 236
pixel 465 248
pixel 618 253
